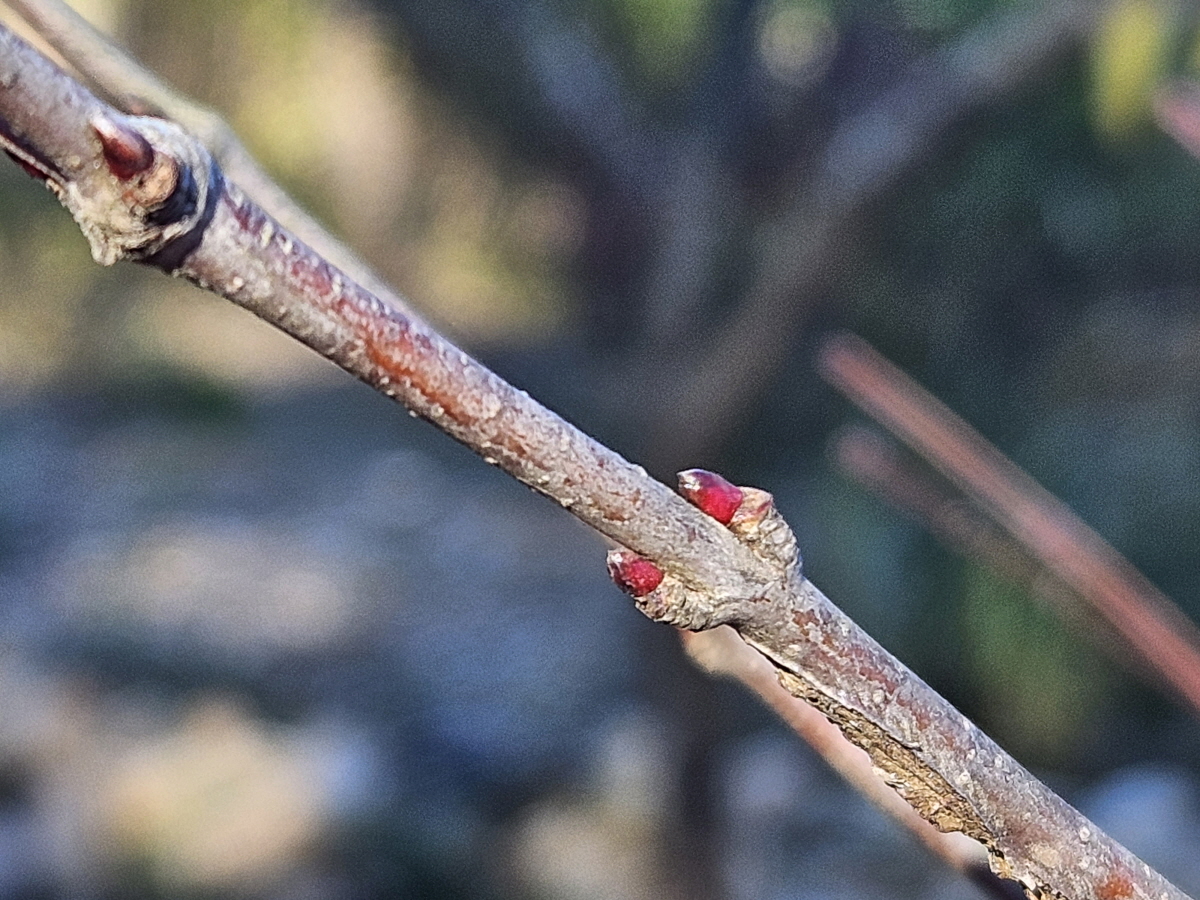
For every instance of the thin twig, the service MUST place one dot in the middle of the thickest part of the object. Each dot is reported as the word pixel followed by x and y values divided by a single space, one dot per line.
pixel 1160 634
pixel 145 190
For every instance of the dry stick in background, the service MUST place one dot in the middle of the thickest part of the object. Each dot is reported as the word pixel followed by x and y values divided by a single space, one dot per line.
pixel 878 464
pixel 1159 633
pixel 144 190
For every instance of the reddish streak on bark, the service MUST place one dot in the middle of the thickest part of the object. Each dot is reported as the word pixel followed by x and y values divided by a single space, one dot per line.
pixel 1115 887
pixel 867 665
pixel 401 357
pixel 312 274
pixel 400 353
pixel 858 662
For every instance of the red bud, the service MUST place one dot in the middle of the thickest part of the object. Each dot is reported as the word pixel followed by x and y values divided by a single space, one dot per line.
pixel 633 574
pixel 126 152
pixel 711 493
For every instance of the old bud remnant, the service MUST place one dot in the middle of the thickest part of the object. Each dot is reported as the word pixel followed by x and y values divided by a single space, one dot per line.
pixel 710 493
pixel 756 507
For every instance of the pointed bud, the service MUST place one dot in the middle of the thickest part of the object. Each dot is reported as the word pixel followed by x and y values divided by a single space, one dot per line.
pixel 711 493
pixel 126 152
pixel 633 574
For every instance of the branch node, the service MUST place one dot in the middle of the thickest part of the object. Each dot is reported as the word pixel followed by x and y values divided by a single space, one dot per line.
pixel 167 185
pixel 750 515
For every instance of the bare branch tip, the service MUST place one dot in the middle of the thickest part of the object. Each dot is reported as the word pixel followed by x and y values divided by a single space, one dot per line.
pixel 839 350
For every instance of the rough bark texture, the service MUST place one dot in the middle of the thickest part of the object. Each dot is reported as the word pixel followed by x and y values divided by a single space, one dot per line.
pixel 173 209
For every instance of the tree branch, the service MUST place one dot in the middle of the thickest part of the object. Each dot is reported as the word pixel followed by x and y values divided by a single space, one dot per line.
pixel 143 189
pixel 868 151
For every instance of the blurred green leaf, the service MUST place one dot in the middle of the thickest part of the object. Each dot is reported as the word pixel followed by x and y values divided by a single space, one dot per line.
pixel 1038 686
pixel 667 37
pixel 1129 54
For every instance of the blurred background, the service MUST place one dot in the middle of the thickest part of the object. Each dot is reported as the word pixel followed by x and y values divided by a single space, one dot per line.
pixel 264 636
